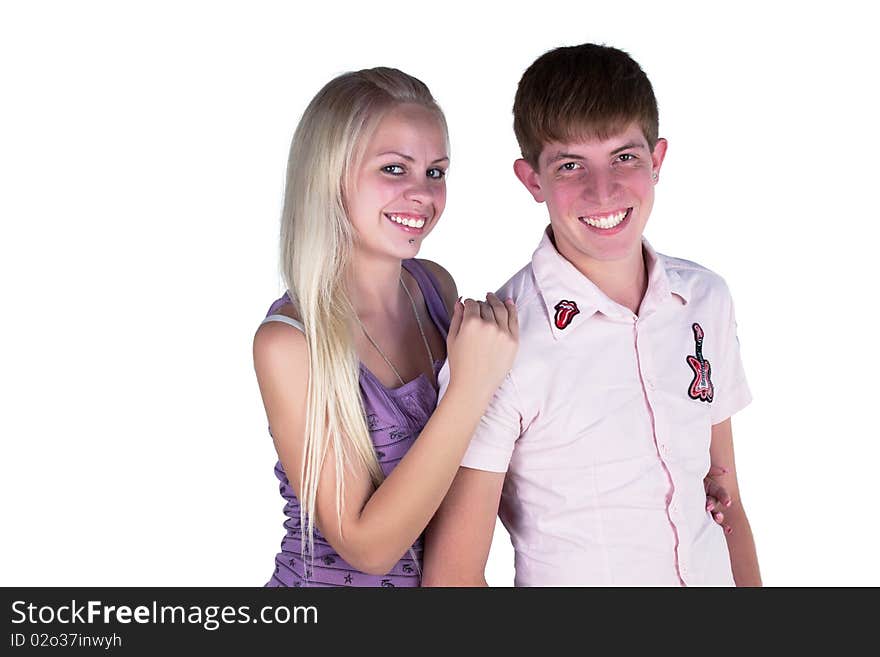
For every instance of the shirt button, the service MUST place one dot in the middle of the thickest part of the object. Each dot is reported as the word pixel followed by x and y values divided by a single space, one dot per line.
pixel 649 383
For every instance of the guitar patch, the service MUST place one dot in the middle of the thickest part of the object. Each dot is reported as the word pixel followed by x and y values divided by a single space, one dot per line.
pixel 701 387
pixel 565 312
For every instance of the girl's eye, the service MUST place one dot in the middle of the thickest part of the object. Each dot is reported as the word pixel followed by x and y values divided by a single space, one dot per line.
pixel 393 169
pixel 436 174
pixel 569 166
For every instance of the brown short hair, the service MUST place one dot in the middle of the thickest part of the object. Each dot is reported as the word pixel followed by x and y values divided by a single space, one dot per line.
pixel 585 91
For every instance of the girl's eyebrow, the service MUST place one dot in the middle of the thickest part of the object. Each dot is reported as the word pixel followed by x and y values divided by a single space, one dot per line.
pixel 409 158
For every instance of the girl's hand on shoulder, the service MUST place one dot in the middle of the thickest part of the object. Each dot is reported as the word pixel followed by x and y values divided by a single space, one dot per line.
pixel 482 342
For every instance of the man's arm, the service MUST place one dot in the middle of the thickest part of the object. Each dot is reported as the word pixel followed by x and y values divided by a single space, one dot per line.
pixel 740 543
pixel 458 539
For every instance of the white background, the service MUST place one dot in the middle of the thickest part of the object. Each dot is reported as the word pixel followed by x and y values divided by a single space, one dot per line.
pixel 142 157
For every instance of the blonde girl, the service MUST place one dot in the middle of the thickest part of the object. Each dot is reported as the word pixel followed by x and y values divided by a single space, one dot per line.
pixel 347 359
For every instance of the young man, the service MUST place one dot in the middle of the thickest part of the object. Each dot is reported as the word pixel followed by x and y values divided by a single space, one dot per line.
pixel 597 444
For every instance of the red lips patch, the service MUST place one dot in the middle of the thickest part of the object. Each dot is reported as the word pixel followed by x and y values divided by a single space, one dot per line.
pixel 565 312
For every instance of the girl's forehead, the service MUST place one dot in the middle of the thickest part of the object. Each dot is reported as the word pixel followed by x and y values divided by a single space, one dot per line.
pixel 408 124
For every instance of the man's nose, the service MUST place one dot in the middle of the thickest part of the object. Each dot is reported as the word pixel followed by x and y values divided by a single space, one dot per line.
pixel 599 188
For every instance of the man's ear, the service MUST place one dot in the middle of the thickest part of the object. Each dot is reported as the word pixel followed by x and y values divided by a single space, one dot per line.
pixel 529 178
pixel 657 156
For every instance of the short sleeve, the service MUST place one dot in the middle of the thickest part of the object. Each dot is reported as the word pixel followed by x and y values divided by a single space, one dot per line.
pixel 495 437
pixel 727 372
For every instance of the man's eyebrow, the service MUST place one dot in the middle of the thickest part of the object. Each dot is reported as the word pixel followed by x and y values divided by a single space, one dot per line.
pixel 408 158
pixel 564 156
pixel 628 146
pixel 574 156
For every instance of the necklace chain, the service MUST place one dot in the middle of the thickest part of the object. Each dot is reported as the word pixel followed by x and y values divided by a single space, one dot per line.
pixel 421 331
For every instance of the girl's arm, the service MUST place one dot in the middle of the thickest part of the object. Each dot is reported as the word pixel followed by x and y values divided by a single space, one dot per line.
pixel 740 543
pixel 380 524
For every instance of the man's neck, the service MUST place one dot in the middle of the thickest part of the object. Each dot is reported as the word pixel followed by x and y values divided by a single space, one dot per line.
pixel 624 281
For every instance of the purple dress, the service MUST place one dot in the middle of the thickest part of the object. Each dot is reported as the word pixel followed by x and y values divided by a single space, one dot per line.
pixel 395 417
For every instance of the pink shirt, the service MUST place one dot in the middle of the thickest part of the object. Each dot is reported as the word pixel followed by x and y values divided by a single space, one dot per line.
pixel 604 423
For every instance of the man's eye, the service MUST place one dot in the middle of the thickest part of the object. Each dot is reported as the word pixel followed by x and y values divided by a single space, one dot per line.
pixel 436 174
pixel 626 157
pixel 569 166
pixel 393 169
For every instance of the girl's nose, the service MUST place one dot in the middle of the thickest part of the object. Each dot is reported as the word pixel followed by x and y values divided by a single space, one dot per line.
pixel 419 192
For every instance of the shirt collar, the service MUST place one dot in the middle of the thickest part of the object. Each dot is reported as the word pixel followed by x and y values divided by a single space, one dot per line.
pixel 570 297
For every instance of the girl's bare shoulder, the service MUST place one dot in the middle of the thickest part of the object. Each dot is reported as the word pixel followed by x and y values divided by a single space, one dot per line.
pixel 448 289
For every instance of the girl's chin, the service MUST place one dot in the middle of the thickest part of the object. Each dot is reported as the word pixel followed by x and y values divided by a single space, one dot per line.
pixel 409 243
pixel 403 251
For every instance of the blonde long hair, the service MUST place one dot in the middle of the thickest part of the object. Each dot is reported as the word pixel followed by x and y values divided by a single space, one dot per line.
pixel 317 242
